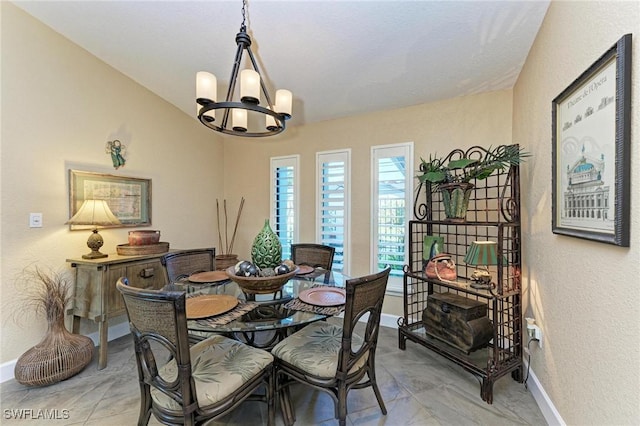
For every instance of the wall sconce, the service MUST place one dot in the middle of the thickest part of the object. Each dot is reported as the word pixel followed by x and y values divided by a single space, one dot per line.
pixel 96 213
pixel 482 254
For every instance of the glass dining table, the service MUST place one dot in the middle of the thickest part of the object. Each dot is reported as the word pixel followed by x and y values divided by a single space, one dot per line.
pixel 262 320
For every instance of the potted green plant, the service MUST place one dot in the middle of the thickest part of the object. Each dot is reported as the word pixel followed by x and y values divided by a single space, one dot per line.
pixel 453 175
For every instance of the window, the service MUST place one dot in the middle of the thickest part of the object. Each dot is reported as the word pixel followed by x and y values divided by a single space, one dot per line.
pixel 285 200
pixel 333 172
pixel 392 189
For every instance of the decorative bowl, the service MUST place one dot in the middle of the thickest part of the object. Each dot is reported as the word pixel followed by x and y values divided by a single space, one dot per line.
pixel 260 285
pixel 143 238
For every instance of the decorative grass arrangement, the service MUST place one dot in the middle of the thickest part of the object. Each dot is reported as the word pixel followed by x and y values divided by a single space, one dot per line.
pixel 225 256
pixel 60 354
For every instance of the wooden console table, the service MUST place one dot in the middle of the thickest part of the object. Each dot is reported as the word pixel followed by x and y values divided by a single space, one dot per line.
pixel 96 297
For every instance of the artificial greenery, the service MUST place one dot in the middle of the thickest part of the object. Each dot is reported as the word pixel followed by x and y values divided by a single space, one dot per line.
pixel 466 169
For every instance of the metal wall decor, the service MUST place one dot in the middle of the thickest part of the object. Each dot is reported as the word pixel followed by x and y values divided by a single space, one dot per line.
pixel 591 144
pixel 116 150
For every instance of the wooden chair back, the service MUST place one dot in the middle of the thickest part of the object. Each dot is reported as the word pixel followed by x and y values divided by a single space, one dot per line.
pixel 315 255
pixel 181 264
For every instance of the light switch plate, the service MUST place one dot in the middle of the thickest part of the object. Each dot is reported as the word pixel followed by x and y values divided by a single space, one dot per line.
pixel 35 220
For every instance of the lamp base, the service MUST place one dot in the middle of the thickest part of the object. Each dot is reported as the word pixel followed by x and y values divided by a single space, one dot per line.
pixel 478 285
pixel 94 243
pixel 94 255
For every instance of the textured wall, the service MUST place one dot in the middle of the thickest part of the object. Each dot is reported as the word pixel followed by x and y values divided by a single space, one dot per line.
pixel 584 294
pixel 437 127
pixel 60 105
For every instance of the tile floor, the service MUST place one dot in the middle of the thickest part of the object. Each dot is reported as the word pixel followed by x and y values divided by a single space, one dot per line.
pixel 418 386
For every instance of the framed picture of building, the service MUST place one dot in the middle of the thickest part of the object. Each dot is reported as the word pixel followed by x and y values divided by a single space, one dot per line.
pixel 591 132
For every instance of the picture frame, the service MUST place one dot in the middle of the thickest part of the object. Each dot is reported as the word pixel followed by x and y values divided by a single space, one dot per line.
pixel 128 198
pixel 591 143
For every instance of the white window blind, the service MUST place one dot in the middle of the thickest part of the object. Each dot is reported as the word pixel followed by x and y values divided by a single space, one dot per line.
pixel 285 200
pixel 333 204
pixel 392 170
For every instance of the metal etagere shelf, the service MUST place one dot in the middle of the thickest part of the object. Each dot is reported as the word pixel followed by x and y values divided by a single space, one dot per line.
pixel 493 214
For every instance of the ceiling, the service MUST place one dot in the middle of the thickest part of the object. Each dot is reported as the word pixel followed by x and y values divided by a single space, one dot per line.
pixel 339 58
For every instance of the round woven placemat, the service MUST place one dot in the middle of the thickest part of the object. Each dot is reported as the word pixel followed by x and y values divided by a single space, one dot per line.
pixel 209 305
pixel 208 277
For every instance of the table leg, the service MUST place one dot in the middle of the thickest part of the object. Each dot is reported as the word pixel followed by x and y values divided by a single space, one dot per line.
pixel 103 331
pixel 75 328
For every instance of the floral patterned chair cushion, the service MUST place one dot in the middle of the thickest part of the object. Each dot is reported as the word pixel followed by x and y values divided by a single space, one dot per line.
pixel 315 349
pixel 219 366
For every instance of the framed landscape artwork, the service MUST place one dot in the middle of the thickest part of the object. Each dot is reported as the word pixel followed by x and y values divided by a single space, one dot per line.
pixel 591 128
pixel 128 198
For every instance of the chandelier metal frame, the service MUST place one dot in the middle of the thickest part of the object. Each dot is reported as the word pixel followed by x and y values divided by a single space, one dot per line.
pixel 243 41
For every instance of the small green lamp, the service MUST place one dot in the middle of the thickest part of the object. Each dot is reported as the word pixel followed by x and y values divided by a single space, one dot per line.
pixel 482 254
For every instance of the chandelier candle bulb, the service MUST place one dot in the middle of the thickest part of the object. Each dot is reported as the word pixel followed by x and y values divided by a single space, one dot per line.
pixel 209 116
pixel 284 99
pixel 270 121
pixel 250 86
pixel 206 87
pixel 239 120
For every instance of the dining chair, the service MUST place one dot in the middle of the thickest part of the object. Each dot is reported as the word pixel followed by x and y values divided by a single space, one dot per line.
pixel 182 384
pixel 333 358
pixel 314 255
pixel 183 263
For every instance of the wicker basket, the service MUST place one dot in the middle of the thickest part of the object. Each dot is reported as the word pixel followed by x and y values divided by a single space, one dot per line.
pixel 260 285
pixel 129 250
pixel 223 261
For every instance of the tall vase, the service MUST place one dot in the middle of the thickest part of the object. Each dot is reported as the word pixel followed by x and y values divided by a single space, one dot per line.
pixel 57 357
pixel 455 199
pixel 266 251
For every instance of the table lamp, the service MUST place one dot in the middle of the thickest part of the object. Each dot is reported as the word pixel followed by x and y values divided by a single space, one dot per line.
pixel 482 254
pixel 96 213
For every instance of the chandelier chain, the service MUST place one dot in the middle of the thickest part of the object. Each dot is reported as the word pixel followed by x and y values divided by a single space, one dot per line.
pixel 244 14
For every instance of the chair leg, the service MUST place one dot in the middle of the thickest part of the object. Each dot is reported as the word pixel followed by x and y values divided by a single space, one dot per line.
pixel 145 405
pixel 342 404
pixel 271 397
pixel 374 384
pixel 284 398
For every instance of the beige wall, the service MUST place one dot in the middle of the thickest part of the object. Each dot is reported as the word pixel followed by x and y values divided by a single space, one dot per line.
pixel 433 128
pixel 585 294
pixel 60 105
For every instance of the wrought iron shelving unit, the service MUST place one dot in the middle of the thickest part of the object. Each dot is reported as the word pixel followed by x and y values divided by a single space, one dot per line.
pixel 493 214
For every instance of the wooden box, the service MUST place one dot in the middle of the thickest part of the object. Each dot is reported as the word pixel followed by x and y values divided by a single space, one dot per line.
pixel 457 320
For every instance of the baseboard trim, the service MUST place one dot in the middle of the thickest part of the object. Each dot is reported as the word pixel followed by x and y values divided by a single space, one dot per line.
pixel 115 332
pixel 549 411
pixel 387 320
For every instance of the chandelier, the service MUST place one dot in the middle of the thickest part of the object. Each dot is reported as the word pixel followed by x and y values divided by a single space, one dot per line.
pixel 246 117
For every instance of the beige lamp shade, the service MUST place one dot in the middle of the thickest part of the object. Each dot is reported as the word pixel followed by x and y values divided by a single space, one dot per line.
pixel 96 213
